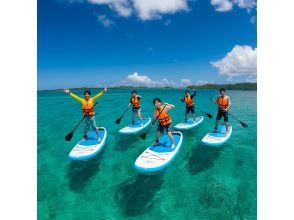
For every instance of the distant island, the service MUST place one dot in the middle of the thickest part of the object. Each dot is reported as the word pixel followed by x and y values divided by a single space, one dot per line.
pixel 236 86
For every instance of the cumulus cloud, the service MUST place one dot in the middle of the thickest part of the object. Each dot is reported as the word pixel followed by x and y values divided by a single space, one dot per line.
pixel 122 7
pixel 137 79
pixel 240 61
pixel 106 22
pixel 144 9
pixel 227 5
pixel 222 5
pixel 152 9
pixel 186 82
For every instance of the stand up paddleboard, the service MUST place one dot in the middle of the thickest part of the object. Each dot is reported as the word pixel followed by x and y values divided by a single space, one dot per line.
pixel 156 158
pixel 136 128
pixel 189 124
pixel 90 147
pixel 219 137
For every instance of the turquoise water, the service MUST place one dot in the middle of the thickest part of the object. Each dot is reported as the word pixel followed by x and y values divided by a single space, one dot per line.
pixel 202 182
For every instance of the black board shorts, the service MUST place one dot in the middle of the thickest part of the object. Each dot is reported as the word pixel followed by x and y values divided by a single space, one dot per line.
pixel 161 128
pixel 190 109
pixel 221 114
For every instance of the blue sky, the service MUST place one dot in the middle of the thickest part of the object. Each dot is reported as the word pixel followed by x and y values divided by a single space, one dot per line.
pixel 151 43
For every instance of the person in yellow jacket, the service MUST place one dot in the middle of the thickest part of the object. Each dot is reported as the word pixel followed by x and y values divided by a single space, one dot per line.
pixel 224 104
pixel 188 99
pixel 88 109
pixel 161 111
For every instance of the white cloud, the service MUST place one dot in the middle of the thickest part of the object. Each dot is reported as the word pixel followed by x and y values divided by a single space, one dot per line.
pixel 240 61
pixel 122 7
pixel 253 19
pixel 203 82
pixel 248 4
pixel 144 9
pixel 167 22
pixel 137 79
pixel 106 22
pixel 153 9
pixel 222 5
pixel 186 82
pixel 227 5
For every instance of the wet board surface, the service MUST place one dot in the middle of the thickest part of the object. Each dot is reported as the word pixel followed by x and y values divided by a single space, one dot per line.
pixel 156 158
pixel 86 149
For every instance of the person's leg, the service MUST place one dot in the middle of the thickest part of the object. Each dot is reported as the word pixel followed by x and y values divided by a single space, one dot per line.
pixel 94 125
pixel 186 113
pixel 157 136
pixel 168 129
pixel 226 121
pixel 218 117
pixel 133 117
pixel 140 116
pixel 86 127
pixel 193 113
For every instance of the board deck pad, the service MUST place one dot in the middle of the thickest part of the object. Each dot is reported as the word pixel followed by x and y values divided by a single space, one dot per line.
pixel 136 127
pixel 219 137
pixel 189 124
pixel 90 147
pixel 156 158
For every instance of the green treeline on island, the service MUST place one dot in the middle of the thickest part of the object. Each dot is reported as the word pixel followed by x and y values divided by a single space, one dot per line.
pixel 235 86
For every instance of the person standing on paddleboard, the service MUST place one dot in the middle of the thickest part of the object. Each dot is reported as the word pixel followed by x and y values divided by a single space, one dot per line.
pixel 224 104
pixel 88 109
pixel 164 120
pixel 136 106
pixel 188 99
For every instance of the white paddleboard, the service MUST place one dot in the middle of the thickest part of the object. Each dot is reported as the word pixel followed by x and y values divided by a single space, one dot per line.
pixel 189 124
pixel 156 158
pixel 90 147
pixel 218 138
pixel 137 127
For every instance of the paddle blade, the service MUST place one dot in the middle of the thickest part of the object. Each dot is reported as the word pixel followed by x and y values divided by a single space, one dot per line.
pixel 117 121
pixel 243 124
pixel 143 136
pixel 69 136
pixel 209 115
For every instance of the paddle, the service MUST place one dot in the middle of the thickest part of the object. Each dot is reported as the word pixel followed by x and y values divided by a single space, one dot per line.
pixel 207 114
pixel 117 121
pixel 69 136
pixel 144 135
pixel 242 123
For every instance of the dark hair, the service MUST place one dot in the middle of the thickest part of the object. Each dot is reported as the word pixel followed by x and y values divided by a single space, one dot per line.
pixel 87 91
pixel 187 91
pixel 134 91
pixel 222 90
pixel 156 99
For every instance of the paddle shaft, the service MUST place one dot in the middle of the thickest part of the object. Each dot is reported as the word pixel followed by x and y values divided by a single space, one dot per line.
pixel 124 113
pixel 155 119
pixel 209 115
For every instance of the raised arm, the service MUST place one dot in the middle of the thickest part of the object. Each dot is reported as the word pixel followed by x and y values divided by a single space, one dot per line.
pixel 74 96
pixel 99 94
pixel 194 94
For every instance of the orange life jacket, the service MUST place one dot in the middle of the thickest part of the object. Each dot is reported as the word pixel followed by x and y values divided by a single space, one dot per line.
pixel 223 101
pixel 164 118
pixel 135 102
pixel 189 101
pixel 88 108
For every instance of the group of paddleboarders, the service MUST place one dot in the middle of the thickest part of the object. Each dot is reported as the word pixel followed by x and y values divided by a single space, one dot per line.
pixel 161 111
